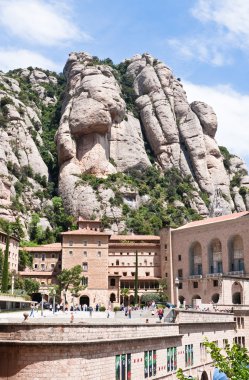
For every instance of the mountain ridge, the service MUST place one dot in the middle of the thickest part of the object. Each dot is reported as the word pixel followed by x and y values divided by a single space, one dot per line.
pixel 128 122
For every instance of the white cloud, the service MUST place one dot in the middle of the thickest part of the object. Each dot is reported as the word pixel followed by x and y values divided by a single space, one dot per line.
pixel 12 59
pixel 231 15
pixel 232 109
pixel 40 22
pixel 202 49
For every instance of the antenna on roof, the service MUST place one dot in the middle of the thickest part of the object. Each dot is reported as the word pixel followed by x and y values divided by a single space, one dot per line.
pixel 216 208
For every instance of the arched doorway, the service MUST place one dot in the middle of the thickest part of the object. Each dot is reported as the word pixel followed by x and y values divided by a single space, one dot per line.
pixel 181 300
pixel 113 297
pixel 84 300
pixel 236 254
pixel 237 293
pixel 195 258
pixel 215 256
pixel 215 297
pixel 204 376
pixel 37 297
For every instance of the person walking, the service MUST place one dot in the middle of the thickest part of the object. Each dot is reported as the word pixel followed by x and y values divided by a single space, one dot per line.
pixel 129 312
pixel 32 310
pixel 160 314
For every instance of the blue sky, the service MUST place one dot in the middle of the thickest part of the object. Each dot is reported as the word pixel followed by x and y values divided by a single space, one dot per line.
pixel 205 42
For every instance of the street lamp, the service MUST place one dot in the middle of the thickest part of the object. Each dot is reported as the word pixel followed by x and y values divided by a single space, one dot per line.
pixel 53 293
pixel 12 284
pixel 177 282
pixel 64 299
pixel 42 304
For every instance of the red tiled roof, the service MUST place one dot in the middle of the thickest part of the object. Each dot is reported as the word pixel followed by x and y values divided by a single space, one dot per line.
pixel 139 278
pixel 36 273
pixel 129 238
pixel 55 247
pixel 85 232
pixel 134 243
pixel 217 219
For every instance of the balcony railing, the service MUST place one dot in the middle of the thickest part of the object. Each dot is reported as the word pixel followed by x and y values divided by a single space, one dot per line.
pixel 237 273
pixel 218 274
pixel 195 276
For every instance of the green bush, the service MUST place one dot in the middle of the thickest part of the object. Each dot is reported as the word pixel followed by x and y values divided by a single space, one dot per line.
pixel 116 308
pixel 102 308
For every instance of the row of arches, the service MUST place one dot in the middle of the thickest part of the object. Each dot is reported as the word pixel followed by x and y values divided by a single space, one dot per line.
pixel 235 249
pixel 237 295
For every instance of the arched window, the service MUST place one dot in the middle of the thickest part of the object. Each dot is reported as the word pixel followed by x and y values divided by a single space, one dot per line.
pixel 215 256
pixel 195 259
pixel 236 254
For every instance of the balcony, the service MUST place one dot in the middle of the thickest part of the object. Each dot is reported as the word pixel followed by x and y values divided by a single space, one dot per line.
pixel 212 275
pixel 237 273
pixel 195 276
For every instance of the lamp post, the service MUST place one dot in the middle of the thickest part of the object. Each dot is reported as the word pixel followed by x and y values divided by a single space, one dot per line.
pixel 53 292
pixel 64 299
pixel 42 305
pixel 177 282
pixel 12 284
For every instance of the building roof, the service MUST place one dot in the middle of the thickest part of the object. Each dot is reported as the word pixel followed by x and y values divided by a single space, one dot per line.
pixel 134 244
pixel 11 236
pixel 218 219
pixel 139 278
pixel 80 219
pixel 54 247
pixel 36 273
pixel 86 232
pixel 130 238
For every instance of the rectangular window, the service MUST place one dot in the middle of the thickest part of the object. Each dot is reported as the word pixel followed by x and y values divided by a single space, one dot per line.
pixel 42 266
pixel 52 266
pixel 99 254
pixel 85 281
pixel 85 253
pixel 43 257
pixel 189 357
pixel 70 252
pixel 147 274
pixel 180 273
pixel 203 353
pixel 85 243
pixel 171 359
pixel 179 257
pixel 180 285
pixel 215 283
pixel 36 266
pixel 123 367
pixel 195 284
pixel 124 274
pixel 149 363
pixel 70 243
pixel 85 267
pixel 99 243
pixel 112 282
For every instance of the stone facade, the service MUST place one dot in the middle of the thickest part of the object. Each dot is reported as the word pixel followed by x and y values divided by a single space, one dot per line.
pixel 113 351
pixel 208 259
pixel 13 250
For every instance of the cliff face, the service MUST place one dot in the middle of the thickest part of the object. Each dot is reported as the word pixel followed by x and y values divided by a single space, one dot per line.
pixel 130 146
pixel 97 134
pixel 24 174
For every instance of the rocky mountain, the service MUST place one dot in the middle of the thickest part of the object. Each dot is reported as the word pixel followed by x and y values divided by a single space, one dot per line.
pixel 131 149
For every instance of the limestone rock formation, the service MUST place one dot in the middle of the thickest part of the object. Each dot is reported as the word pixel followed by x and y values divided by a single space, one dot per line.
pixel 21 165
pixel 96 134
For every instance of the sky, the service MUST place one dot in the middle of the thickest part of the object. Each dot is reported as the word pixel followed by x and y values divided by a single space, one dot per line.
pixel 204 42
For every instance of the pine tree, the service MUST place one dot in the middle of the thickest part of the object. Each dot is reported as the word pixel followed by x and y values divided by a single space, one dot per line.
pixel 5 272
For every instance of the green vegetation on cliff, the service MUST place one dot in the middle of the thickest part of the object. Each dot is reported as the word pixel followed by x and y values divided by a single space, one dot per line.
pixel 160 191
